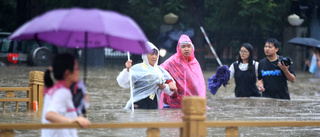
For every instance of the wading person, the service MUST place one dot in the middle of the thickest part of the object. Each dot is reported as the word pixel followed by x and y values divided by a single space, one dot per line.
pixel 245 72
pixel 148 81
pixel 273 73
pixel 59 106
pixel 186 71
pixel 317 70
pixel 314 64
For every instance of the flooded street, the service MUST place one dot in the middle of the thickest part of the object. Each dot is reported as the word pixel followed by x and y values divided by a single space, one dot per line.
pixel 108 99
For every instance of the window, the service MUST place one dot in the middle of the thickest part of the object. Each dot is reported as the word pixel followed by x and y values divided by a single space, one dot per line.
pixel 5 46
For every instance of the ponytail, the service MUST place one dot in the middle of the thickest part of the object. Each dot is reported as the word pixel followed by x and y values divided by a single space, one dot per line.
pixel 48 82
pixel 60 64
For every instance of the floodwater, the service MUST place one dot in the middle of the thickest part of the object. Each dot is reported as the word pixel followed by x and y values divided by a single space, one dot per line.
pixel 108 99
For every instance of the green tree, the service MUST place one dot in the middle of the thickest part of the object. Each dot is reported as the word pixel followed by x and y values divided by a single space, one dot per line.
pixel 8 15
pixel 232 22
pixel 227 22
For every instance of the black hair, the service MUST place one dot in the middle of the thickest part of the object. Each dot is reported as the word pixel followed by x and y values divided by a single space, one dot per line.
pixel 274 41
pixel 60 64
pixel 154 51
pixel 251 66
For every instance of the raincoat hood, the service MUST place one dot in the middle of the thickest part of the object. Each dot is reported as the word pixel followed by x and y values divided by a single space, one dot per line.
pixel 146 79
pixel 184 39
pixel 145 57
pixel 187 75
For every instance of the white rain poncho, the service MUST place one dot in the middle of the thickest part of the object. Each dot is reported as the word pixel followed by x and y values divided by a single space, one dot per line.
pixel 145 79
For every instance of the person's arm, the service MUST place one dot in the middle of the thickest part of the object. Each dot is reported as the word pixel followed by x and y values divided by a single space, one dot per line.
pixel 59 105
pixel 172 86
pixel 169 80
pixel 231 68
pixel 285 69
pixel 256 68
pixel 86 96
pixel 307 62
pixel 86 101
pixel 123 78
pixel 167 90
pixel 260 85
pixel 318 59
pixel 53 117
pixel 166 87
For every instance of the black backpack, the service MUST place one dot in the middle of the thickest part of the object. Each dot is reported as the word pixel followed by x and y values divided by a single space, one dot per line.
pixel 77 97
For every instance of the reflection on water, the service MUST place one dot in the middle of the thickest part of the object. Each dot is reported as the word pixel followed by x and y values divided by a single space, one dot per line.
pixel 108 99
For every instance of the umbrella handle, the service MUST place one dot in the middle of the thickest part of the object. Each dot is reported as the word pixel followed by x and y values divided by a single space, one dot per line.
pixel 130 77
pixel 128 53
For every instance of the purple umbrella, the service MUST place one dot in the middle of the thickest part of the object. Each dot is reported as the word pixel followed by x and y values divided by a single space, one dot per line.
pixel 85 28
pixel 70 27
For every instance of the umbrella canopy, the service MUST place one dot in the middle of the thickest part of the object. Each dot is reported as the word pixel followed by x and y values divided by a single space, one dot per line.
pixel 85 28
pixel 81 28
pixel 311 42
pixel 169 39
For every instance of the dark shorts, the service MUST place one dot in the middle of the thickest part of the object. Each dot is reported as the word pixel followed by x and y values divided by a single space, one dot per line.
pixel 147 103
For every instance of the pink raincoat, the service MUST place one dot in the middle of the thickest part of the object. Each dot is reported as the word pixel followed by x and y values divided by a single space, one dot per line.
pixel 187 75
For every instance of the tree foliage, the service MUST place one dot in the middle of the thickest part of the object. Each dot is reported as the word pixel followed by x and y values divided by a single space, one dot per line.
pixel 232 22
pixel 228 22
pixel 7 15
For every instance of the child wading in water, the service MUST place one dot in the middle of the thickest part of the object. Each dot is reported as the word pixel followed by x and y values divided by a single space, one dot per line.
pixel 58 105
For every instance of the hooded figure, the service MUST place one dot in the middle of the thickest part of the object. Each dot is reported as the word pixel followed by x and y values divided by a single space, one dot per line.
pixel 145 80
pixel 186 72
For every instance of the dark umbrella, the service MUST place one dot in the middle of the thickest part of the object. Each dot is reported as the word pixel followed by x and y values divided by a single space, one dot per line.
pixel 311 42
pixel 221 77
pixel 169 39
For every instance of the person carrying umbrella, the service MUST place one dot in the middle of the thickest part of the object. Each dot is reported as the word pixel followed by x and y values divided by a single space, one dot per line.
pixel 272 74
pixel 186 71
pixel 59 106
pixel 148 81
pixel 314 64
pixel 245 72
pixel 80 28
pixel 317 71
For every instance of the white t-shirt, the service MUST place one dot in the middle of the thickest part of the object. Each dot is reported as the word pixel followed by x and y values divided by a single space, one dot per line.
pixel 59 102
pixel 243 67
